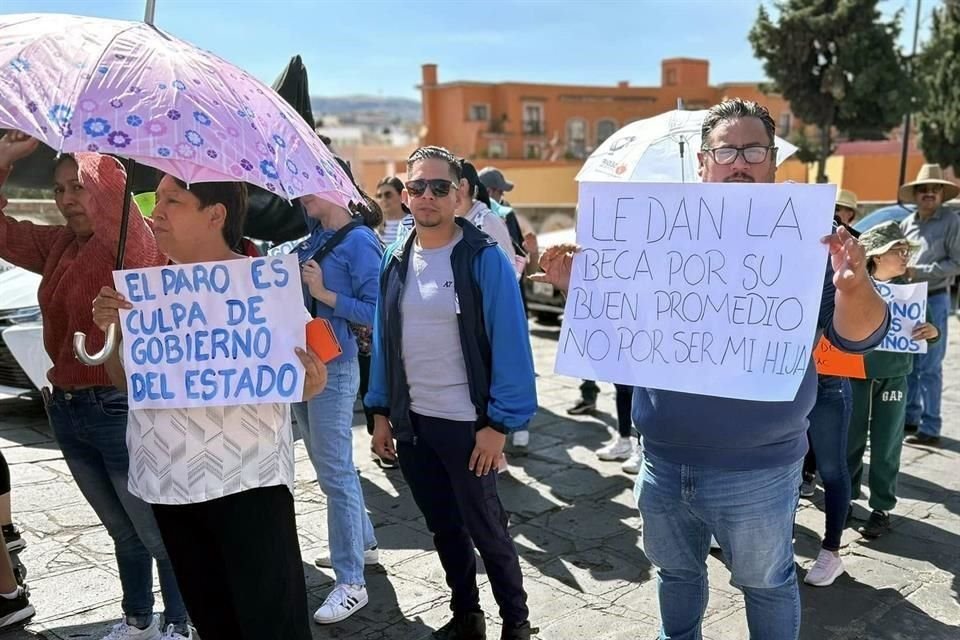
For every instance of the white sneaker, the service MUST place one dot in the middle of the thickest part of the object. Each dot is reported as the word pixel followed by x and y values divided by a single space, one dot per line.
pixel 124 631
pixel 370 557
pixel 341 603
pixel 171 633
pixel 825 570
pixel 521 438
pixel 619 449
pixel 634 463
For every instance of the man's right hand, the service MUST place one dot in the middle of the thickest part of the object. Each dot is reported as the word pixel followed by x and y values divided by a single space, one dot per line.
pixel 557 263
pixel 106 308
pixel 15 145
pixel 382 439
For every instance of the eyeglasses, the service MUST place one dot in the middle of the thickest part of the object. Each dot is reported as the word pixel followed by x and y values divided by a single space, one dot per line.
pixel 385 195
pixel 928 188
pixel 902 252
pixel 438 186
pixel 728 155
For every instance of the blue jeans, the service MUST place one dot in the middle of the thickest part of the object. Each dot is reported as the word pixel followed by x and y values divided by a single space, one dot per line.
pixel 750 513
pixel 329 441
pixel 925 384
pixel 829 426
pixel 90 426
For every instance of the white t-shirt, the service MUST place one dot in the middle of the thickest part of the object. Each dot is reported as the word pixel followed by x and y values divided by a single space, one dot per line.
pixel 185 456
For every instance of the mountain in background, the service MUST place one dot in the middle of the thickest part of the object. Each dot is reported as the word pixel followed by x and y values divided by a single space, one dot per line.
pixel 347 107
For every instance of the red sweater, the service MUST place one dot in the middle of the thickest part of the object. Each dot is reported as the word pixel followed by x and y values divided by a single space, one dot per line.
pixel 74 270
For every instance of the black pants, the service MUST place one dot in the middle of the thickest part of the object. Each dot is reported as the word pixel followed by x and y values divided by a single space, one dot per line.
pixel 589 390
pixel 237 561
pixel 364 361
pixel 462 510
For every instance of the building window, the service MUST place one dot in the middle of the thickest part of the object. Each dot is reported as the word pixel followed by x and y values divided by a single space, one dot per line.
pixel 671 78
pixel 532 151
pixel 533 119
pixel 605 129
pixel 785 122
pixel 577 138
pixel 479 112
pixel 497 149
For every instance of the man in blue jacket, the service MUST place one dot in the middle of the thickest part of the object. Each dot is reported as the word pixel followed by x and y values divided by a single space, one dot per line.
pixel 451 375
pixel 731 468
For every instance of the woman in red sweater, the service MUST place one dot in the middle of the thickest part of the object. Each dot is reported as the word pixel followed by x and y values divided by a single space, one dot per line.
pixel 88 415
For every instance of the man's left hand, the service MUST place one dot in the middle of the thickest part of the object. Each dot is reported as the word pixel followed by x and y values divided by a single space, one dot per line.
pixel 849 260
pixel 486 451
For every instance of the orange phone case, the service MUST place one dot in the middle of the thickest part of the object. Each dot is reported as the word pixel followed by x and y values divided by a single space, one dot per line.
pixel 322 339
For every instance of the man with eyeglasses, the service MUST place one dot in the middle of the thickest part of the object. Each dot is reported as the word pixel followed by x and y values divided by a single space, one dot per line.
pixel 731 468
pixel 451 375
pixel 937 230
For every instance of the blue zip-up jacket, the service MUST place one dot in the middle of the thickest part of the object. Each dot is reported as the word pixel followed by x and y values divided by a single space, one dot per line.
pixel 350 270
pixel 493 336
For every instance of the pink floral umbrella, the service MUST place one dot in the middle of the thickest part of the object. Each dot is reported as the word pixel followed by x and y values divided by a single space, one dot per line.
pixel 130 89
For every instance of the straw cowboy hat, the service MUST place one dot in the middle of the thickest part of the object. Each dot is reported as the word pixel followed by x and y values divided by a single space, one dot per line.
pixel 847 199
pixel 929 174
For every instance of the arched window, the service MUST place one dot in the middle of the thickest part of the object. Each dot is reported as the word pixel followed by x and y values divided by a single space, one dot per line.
pixel 577 137
pixel 605 129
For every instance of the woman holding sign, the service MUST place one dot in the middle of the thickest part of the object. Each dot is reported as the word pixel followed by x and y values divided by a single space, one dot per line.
pixel 341 265
pixel 880 401
pixel 88 414
pixel 219 477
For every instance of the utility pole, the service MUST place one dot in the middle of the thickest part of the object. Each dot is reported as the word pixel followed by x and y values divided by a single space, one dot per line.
pixel 906 118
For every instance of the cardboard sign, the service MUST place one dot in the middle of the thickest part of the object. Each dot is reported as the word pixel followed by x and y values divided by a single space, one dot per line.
pixel 908 308
pixel 711 289
pixel 213 333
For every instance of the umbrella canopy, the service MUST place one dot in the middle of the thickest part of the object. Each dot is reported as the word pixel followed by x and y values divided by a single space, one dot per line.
pixel 658 149
pixel 130 89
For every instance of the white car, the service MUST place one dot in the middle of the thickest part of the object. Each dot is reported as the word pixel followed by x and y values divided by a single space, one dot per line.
pixel 23 360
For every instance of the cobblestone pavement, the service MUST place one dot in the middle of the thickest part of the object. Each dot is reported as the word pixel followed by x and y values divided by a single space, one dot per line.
pixel 574 522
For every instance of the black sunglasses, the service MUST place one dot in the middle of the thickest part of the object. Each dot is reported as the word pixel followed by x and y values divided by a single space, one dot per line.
pixel 438 186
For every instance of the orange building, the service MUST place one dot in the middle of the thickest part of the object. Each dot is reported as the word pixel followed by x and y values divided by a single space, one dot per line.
pixel 539 134
pixel 524 121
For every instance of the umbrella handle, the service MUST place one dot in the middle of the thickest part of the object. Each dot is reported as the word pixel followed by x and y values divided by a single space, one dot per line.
pixel 80 347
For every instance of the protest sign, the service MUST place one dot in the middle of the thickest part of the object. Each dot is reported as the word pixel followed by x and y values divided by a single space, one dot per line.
pixel 213 333
pixel 711 289
pixel 908 308
pixel 831 361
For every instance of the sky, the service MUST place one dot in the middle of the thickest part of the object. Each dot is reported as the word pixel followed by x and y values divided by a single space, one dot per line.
pixel 376 47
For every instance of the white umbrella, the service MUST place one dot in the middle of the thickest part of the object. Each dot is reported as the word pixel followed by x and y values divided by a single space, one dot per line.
pixel 658 149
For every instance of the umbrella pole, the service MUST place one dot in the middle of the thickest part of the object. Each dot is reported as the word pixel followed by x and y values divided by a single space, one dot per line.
pixel 129 166
pixel 110 341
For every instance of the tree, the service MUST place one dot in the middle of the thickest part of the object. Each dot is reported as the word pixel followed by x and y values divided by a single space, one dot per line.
pixel 837 64
pixel 937 71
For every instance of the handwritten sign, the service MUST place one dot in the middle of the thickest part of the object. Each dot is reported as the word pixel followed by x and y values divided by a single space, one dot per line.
pixel 833 362
pixel 213 333
pixel 908 308
pixel 711 289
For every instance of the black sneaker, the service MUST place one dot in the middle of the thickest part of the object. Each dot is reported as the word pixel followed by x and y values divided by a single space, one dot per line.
pixel 910 428
pixel 582 407
pixel 877 525
pixel 11 535
pixel 516 632
pixel 463 626
pixel 923 439
pixel 16 610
